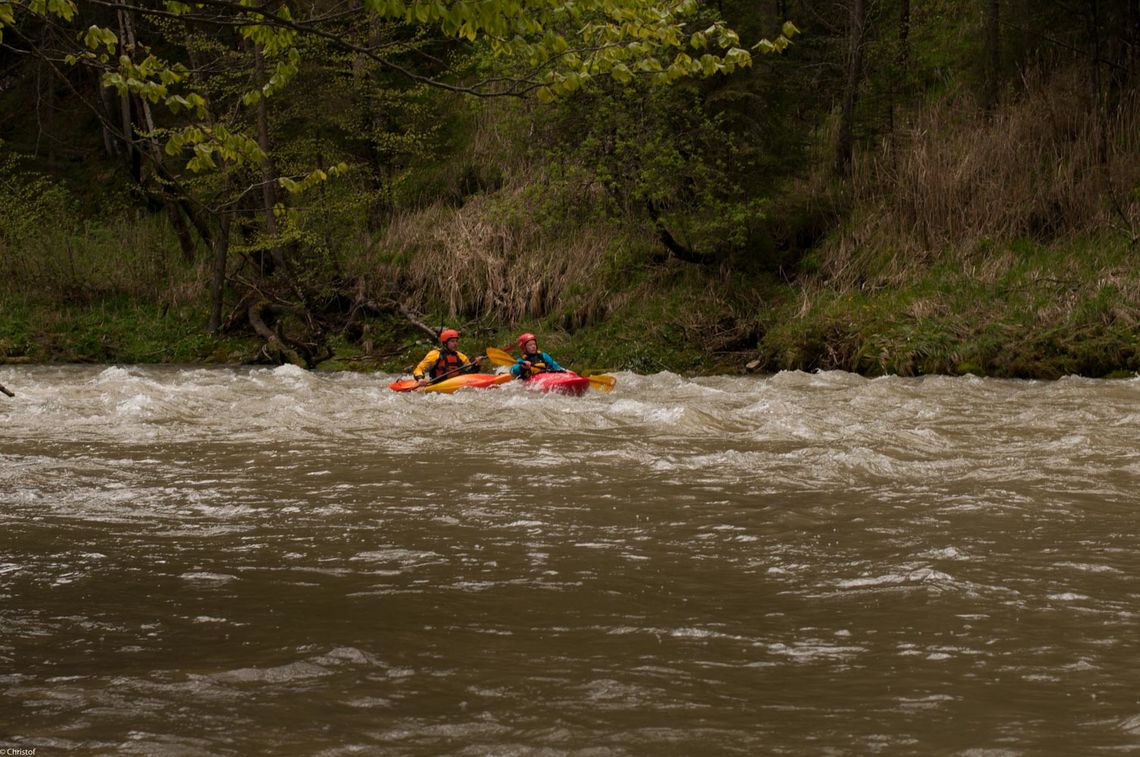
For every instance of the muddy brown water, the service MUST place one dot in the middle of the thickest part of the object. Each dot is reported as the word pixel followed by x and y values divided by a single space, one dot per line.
pixel 241 561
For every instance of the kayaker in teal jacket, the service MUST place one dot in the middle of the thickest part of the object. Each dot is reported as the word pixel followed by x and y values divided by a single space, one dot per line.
pixel 533 361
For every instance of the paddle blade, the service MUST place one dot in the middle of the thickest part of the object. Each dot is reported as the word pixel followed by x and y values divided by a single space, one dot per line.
pixel 602 382
pixel 403 386
pixel 500 357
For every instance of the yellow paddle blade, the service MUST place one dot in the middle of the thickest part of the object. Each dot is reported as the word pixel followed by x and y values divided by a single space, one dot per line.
pixel 500 357
pixel 602 382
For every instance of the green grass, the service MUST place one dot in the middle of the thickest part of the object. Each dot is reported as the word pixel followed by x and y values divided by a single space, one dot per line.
pixel 118 291
pixel 1054 311
pixel 1042 312
pixel 112 330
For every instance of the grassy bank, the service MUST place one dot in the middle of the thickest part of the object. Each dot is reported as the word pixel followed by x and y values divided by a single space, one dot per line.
pixel 111 329
pixel 1024 311
pixel 999 244
pixel 1021 310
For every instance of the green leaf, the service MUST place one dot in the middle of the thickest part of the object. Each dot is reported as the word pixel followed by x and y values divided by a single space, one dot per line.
pixel 96 37
pixel 65 9
pixel 738 58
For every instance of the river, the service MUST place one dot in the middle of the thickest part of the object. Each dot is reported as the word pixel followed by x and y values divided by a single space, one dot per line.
pixel 248 561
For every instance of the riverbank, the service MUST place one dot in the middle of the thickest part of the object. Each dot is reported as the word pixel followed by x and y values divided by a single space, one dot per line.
pixel 996 243
pixel 1021 311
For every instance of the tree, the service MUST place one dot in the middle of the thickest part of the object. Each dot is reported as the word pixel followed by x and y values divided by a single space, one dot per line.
pixel 856 31
pixel 993 53
pixel 195 82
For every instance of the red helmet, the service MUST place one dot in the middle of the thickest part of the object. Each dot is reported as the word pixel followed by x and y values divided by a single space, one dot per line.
pixel 447 334
pixel 524 338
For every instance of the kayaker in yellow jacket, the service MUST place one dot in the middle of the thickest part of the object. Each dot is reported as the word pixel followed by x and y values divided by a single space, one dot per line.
pixel 533 360
pixel 445 361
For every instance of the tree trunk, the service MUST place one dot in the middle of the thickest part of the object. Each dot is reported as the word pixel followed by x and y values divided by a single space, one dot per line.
pixel 277 347
pixel 845 141
pixel 1132 39
pixel 197 221
pixel 126 47
pixel 1092 24
pixel 1100 100
pixel 268 170
pixel 678 250
pixel 221 254
pixel 45 107
pixel 107 116
pixel 993 55
pixel 902 63
pixel 372 123
pixel 185 241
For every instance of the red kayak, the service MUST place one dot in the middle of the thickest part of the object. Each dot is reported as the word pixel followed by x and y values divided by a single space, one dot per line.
pixel 567 382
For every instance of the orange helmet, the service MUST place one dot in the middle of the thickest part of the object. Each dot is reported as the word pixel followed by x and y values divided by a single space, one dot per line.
pixel 524 338
pixel 447 334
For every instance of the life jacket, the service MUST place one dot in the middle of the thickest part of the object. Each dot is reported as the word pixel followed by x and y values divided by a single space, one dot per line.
pixel 447 362
pixel 537 364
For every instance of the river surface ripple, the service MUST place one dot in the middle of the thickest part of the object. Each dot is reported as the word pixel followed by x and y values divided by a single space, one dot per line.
pixel 235 561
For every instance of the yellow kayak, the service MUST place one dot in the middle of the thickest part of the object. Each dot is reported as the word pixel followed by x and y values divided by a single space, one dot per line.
pixel 449 385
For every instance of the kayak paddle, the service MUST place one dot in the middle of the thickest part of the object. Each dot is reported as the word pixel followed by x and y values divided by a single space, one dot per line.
pixel 407 385
pixel 500 357
pixel 602 382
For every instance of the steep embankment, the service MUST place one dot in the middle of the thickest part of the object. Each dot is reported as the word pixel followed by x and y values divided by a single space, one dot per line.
pixel 997 243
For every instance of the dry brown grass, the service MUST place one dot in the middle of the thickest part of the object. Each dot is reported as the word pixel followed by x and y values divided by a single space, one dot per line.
pixel 498 255
pixel 1047 166
pixel 471 262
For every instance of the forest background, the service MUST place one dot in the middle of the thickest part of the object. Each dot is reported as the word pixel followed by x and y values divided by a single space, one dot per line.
pixel 879 186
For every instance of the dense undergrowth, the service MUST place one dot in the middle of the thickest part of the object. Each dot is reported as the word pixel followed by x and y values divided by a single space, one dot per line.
pixel 998 244
pixel 1053 311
